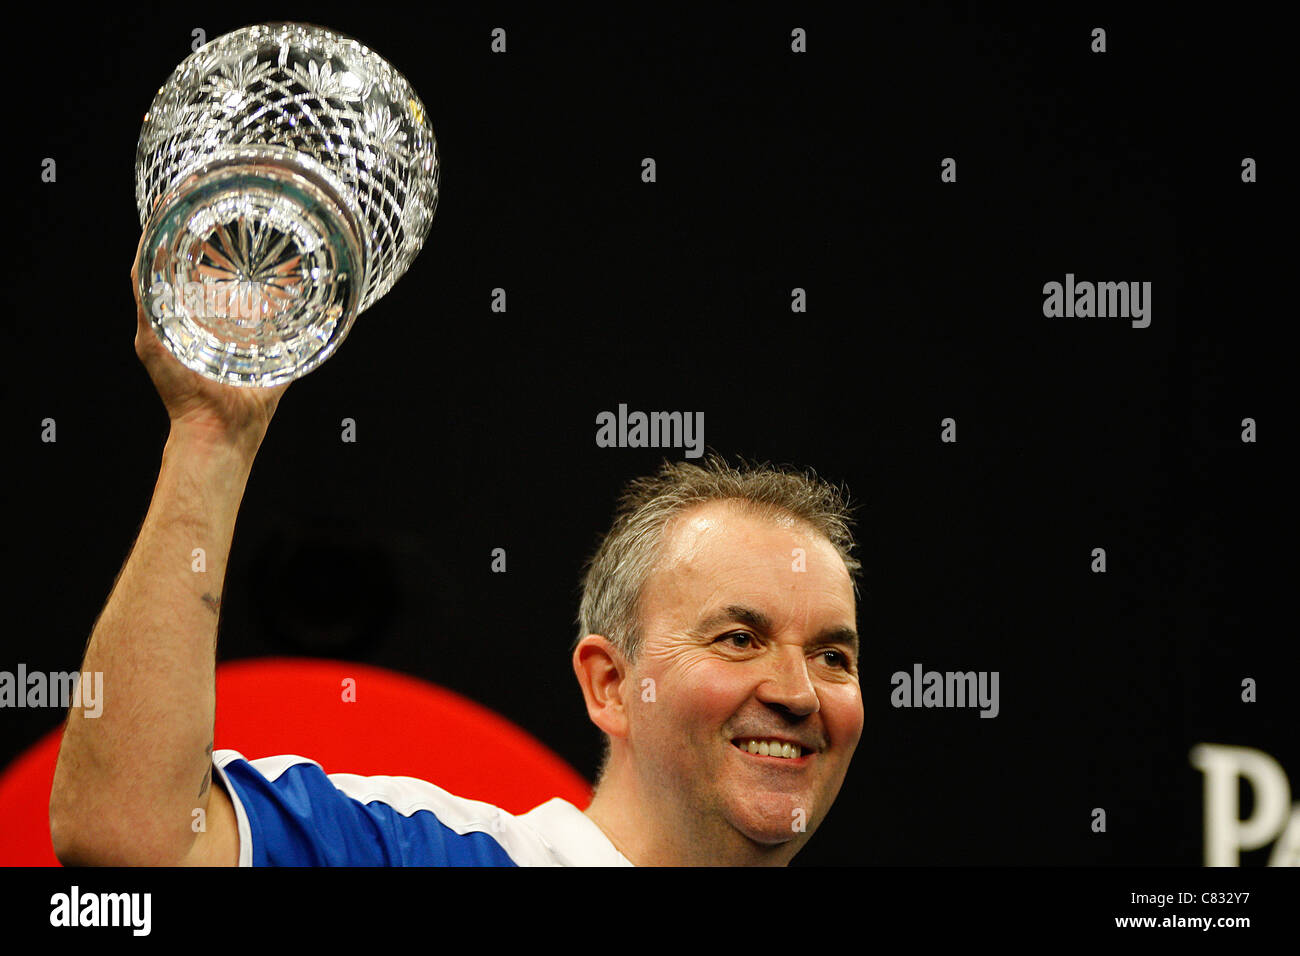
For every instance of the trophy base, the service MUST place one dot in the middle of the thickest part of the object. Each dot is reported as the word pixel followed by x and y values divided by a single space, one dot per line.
pixel 252 270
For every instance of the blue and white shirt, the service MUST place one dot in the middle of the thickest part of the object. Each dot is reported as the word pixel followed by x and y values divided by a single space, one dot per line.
pixel 291 813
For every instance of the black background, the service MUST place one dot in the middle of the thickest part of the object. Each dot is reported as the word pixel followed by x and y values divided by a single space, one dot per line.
pixel 775 170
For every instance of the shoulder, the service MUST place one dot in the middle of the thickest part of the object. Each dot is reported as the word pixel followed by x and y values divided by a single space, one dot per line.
pixel 297 813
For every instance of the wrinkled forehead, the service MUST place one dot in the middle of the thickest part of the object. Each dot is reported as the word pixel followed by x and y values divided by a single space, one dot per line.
pixel 730 523
pixel 735 546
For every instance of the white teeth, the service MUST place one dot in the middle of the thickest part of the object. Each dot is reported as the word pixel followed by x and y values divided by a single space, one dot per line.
pixel 771 748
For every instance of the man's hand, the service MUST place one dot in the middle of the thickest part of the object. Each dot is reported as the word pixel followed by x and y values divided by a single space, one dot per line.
pixel 227 414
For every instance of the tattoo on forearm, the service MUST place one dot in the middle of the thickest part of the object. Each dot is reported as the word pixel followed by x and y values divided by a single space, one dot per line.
pixel 213 603
pixel 207 774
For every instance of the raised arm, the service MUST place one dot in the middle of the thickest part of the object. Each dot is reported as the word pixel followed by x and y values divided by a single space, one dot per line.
pixel 128 781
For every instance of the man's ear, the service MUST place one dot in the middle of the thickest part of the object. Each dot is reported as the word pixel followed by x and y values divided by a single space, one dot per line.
pixel 601 670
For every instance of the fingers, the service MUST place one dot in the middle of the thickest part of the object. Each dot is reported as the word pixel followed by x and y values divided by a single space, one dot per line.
pixel 135 263
pixel 146 341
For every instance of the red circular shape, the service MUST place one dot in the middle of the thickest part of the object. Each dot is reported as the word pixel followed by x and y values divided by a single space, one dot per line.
pixel 394 725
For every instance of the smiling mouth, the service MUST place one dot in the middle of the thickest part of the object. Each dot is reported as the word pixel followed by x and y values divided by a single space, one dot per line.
pixel 767 747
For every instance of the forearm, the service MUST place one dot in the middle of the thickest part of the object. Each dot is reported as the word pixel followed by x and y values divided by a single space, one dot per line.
pixel 128 781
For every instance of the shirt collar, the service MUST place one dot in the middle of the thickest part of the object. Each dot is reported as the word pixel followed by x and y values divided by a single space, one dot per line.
pixel 572 836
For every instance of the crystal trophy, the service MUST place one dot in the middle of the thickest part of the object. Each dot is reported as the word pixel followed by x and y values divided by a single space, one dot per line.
pixel 286 178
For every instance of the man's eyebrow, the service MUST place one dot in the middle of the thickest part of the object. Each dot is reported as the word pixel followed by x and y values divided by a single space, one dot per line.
pixel 840 635
pixel 756 619
pixel 734 614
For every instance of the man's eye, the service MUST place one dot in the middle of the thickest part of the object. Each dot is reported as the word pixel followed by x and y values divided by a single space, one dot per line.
pixel 837 659
pixel 739 640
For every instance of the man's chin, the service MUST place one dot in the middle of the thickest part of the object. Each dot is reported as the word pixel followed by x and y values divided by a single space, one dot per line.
pixel 771 819
pixel 769 837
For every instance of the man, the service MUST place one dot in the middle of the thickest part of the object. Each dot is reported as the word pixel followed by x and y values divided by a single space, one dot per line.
pixel 721 661
pixel 717 653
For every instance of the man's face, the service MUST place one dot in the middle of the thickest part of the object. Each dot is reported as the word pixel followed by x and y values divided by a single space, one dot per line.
pixel 745 640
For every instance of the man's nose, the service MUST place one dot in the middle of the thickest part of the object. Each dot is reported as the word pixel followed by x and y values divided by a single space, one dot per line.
pixel 789 683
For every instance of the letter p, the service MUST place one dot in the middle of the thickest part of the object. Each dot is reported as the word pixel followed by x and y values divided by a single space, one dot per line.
pixel 1225 833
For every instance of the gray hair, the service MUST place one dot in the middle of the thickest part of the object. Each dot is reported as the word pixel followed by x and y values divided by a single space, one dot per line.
pixel 614 577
